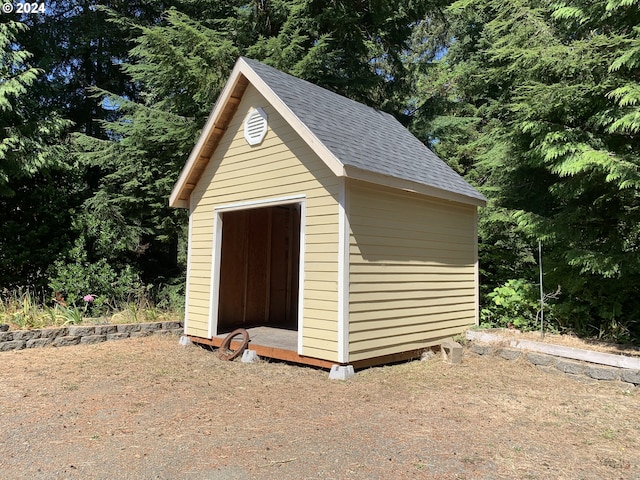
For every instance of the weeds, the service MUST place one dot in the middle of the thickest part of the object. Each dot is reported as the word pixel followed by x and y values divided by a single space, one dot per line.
pixel 72 316
pixel 25 310
pixel 20 309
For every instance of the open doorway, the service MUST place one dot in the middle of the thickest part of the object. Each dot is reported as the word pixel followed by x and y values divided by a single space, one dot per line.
pixel 259 268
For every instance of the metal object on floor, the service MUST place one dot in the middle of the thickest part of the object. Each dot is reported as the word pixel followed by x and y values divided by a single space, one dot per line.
pixel 225 353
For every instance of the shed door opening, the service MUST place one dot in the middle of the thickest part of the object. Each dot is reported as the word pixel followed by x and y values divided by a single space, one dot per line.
pixel 259 268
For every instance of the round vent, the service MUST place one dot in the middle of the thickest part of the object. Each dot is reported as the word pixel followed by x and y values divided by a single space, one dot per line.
pixel 255 126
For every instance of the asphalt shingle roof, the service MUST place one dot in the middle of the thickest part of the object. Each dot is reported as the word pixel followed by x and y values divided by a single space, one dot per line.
pixel 360 136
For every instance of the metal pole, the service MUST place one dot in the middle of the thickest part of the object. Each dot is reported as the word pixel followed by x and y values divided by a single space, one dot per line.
pixel 541 290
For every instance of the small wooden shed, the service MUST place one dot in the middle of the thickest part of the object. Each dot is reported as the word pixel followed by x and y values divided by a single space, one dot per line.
pixel 323 227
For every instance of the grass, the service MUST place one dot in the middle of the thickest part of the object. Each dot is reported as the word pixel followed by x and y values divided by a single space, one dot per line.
pixel 24 310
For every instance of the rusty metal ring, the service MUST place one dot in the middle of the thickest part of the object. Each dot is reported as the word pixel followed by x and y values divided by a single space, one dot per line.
pixel 225 353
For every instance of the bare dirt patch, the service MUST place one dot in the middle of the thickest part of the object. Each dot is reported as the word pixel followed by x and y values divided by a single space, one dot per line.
pixel 149 408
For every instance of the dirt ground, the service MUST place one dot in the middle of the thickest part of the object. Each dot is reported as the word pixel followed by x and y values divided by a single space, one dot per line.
pixel 149 408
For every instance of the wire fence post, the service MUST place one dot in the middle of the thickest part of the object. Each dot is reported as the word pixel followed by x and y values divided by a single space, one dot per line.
pixel 541 290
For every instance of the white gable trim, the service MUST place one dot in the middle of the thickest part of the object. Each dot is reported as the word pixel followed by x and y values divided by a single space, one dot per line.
pixel 204 135
pixel 294 122
pixel 243 70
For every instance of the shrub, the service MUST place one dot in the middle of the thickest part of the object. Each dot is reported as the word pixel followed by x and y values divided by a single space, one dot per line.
pixel 171 296
pixel 107 285
pixel 514 304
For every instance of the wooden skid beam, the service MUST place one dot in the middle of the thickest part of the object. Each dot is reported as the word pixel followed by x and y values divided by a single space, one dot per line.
pixel 387 359
pixel 268 352
pixel 293 357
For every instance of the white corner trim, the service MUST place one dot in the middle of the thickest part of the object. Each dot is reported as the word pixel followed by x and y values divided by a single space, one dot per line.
pixel 189 258
pixel 301 270
pixel 343 273
pixel 476 272
pixel 216 255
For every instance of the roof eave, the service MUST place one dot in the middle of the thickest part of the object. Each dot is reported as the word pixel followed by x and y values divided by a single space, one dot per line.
pixel 413 187
pixel 212 131
pixel 226 106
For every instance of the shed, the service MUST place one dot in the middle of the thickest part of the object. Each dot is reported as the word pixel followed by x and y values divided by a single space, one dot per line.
pixel 324 227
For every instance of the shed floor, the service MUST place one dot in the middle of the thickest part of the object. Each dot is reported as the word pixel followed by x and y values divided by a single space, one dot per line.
pixel 270 337
pixel 282 344
pixel 269 342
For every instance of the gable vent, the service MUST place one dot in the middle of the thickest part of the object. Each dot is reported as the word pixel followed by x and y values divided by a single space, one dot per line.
pixel 255 127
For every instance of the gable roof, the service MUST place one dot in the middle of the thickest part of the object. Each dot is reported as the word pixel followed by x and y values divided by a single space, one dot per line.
pixel 354 140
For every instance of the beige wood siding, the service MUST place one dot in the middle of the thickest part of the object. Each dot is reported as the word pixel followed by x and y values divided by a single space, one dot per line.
pixel 412 270
pixel 282 165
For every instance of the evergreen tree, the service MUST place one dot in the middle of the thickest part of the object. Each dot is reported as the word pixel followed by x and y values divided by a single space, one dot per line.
pixel 74 49
pixel 181 65
pixel 78 48
pixel 538 103
pixel 24 138
pixel 32 175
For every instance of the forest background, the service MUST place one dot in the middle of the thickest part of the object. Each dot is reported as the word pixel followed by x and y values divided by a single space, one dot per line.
pixel 535 102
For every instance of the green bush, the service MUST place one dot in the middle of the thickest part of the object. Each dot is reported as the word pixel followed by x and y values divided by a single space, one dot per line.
pixel 108 286
pixel 171 296
pixel 514 304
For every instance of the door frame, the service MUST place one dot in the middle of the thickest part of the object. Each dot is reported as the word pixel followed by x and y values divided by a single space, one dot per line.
pixel 218 211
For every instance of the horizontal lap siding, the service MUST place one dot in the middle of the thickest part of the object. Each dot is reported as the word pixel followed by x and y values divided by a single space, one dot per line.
pixel 283 165
pixel 412 274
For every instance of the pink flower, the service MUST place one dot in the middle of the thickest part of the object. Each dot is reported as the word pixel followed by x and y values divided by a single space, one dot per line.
pixel 89 298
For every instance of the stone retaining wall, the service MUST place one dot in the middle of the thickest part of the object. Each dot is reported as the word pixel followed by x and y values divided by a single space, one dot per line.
pixel 568 367
pixel 83 334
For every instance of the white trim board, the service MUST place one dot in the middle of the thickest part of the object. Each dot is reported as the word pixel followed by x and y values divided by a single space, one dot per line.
pixel 189 257
pixel 301 271
pixel 476 266
pixel 216 256
pixel 343 273
pixel 600 358
pixel 410 186
pixel 263 202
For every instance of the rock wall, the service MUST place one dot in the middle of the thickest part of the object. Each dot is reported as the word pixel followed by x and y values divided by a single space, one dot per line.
pixel 83 334
pixel 569 367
